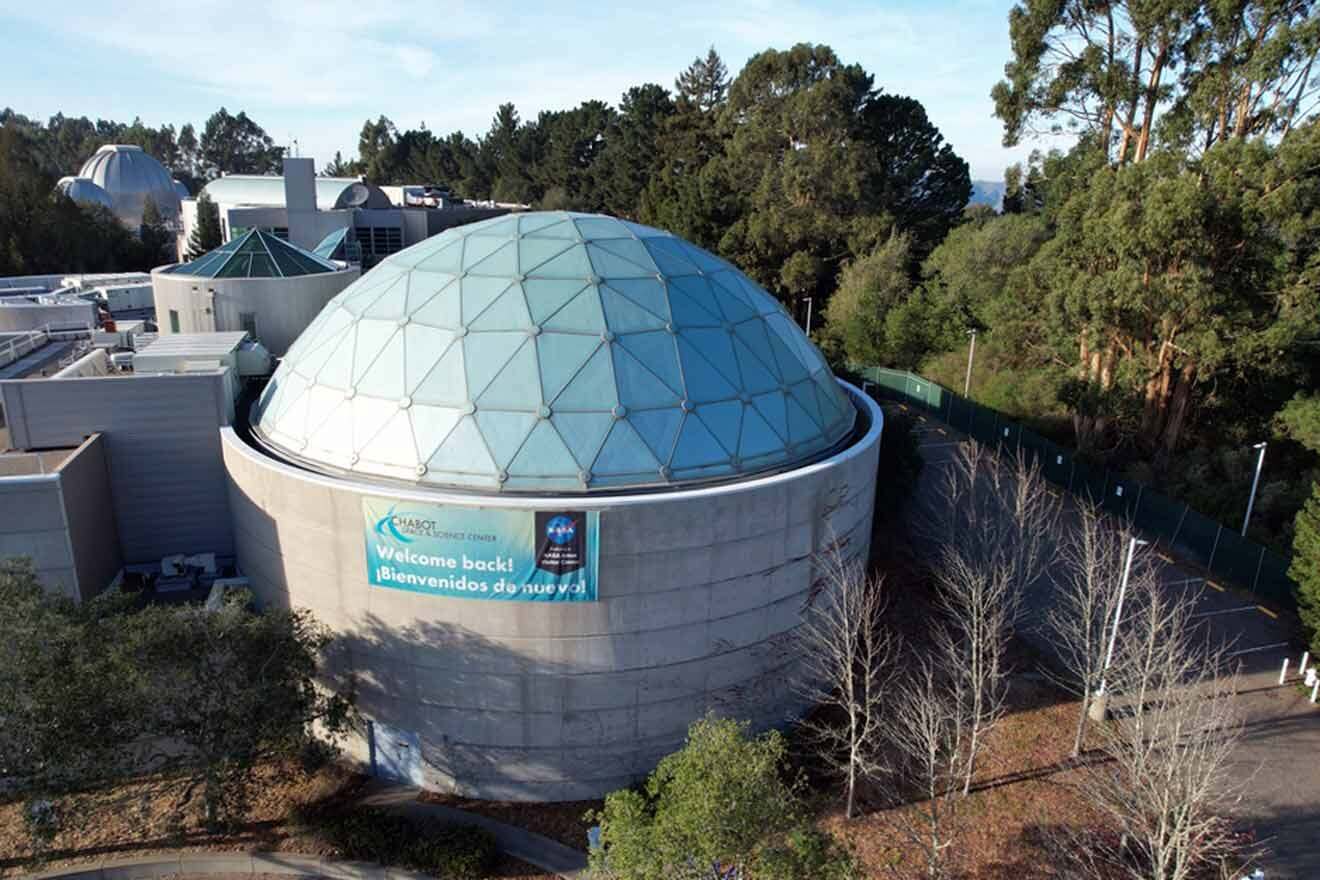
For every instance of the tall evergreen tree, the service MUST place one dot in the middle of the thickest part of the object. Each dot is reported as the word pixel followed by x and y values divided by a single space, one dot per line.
pixel 157 240
pixel 206 233
pixel 705 82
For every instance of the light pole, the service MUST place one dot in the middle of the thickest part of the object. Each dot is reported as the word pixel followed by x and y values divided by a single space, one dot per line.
pixel 971 353
pixel 1255 481
pixel 808 316
pixel 1100 702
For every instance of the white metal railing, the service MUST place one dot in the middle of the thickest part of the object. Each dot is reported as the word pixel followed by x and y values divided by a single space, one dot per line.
pixel 22 346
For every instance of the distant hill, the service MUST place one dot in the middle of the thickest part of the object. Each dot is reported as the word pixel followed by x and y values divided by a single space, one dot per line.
pixel 987 192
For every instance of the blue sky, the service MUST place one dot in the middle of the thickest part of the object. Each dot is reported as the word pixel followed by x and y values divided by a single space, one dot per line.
pixel 313 70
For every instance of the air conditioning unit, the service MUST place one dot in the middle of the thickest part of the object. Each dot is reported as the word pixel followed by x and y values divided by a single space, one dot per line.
pixel 122 361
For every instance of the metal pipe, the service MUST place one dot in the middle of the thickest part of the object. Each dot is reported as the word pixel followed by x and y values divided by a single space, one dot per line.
pixel 971 353
pixel 1255 481
pixel 1118 612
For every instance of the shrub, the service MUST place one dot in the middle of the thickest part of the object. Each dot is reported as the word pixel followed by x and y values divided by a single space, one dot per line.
pixel 454 852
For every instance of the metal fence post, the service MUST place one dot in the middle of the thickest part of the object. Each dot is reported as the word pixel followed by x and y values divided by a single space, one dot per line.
pixel 1136 505
pixel 1214 549
pixel 1178 528
pixel 1072 471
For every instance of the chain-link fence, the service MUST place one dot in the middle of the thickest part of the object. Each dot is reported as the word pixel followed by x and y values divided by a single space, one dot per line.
pixel 1188 534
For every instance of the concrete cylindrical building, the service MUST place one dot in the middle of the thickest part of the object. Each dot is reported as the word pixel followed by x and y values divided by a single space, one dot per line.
pixel 557 481
pixel 256 282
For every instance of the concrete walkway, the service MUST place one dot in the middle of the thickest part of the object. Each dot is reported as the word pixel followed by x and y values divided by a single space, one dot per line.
pixel 549 855
pixel 174 864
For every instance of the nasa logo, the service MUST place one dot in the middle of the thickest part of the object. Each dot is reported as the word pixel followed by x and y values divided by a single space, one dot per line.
pixel 561 530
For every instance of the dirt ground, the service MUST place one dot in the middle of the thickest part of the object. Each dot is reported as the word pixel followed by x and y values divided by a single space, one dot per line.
pixel 139 818
pixel 564 822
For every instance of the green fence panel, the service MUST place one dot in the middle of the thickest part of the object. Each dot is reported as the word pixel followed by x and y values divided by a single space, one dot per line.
pixel 1036 450
pixel 1159 515
pixel 1273 583
pixel 1121 496
pixel 1236 559
pixel 1089 482
pixel 985 424
pixel 961 413
pixel 1057 465
pixel 1197 539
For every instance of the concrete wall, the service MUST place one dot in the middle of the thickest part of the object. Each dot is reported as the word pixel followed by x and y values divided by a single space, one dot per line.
pixel 162 446
pixel 283 306
pixel 61 518
pixel 30 316
pixel 699 591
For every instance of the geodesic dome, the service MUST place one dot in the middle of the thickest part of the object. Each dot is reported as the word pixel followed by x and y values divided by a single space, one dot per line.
pixel 553 352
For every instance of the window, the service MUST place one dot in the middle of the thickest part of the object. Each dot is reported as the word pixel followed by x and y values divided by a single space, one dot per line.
pixel 248 321
pixel 174 321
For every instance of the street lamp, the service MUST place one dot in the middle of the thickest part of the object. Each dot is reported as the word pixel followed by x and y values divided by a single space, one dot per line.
pixel 971 353
pixel 808 316
pixel 1255 481
pixel 1100 701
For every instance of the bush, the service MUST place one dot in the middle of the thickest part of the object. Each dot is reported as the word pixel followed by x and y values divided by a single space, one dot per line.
pixel 454 852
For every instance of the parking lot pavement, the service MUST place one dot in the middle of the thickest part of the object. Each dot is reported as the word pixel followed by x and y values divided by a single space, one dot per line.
pixel 1279 756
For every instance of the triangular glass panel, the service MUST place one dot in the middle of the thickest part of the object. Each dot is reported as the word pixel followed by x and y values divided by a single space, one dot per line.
pixel 704 382
pixel 658 428
pixel 800 425
pixel 293 420
pixel 506 226
pixel 624 453
pixel 641 231
pixel 757 297
pixel 561 355
pixel 638 386
pixel 441 310
pixel 687 313
pixel 582 314
pixel 384 378
pixel 393 444
pixel 735 308
pixel 649 293
pixel 478 247
pixel 697 446
pixel 422 347
pixel 625 316
pixel 478 293
pixel 717 347
pixel 771 408
pixel 371 338
pixel 421 288
pixel 668 256
pixel 790 367
pixel 805 394
pixel 431 425
pixel 561 228
pixel 517 385
pixel 446 382
pixel 544 455
pixel 502 262
pixel 535 252
pixel 392 304
pixel 368 414
pixel 755 377
pixel 572 263
pixel 697 289
pixel 529 223
pixel 485 354
pixel 593 387
pixel 337 371
pixel 610 265
pixel 656 352
pixel 601 227
pixel 758 438
pixel 359 299
pixel 757 341
pixel 504 433
pixel 583 434
pixel 724 420
pixel 703 260
pixel 310 362
pixel 508 312
pixel 331 321
pixel 545 296
pixel 463 452
pixel 448 258
pixel 334 439
pixel 321 403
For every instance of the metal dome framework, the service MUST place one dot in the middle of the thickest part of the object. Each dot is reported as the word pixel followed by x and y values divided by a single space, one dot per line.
pixel 553 352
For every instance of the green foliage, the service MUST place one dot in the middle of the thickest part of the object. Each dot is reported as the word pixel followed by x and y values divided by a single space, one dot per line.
pixel 1305 568
pixel 90 690
pixel 158 245
pixel 236 145
pixel 1300 420
pixel 454 852
pixel 206 234
pixel 721 802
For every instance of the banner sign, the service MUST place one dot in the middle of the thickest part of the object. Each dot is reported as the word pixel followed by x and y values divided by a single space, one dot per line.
pixel 482 553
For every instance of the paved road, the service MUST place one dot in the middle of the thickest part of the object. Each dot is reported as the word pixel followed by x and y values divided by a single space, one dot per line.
pixel 1281 751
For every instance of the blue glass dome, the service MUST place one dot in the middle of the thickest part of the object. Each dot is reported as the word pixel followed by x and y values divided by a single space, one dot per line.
pixel 553 352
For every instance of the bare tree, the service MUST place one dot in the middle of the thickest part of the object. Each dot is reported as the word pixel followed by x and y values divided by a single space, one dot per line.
pixel 1166 785
pixel 979 606
pixel 997 525
pixel 1080 618
pixel 846 667
pixel 926 729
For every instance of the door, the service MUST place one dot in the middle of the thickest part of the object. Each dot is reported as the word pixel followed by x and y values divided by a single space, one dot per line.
pixel 396 754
